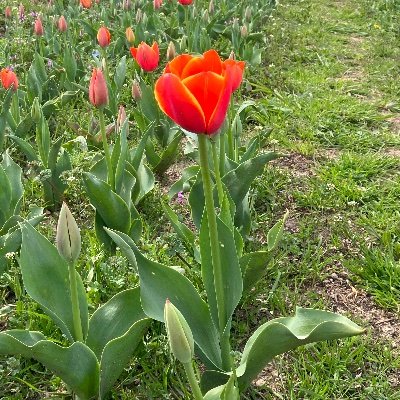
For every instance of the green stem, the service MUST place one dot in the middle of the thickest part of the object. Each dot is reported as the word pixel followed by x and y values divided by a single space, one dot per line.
pixel 193 381
pixel 188 28
pixel 217 173
pixel 222 154
pixel 106 150
pixel 76 315
pixel 215 253
pixel 15 107
pixel 231 146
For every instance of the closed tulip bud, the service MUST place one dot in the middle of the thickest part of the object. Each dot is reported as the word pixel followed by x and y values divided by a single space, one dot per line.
pixel 8 79
pixel 232 55
pixel 36 111
pixel 211 7
pixel 38 29
pixel 144 19
pixel 126 5
pixel 130 36
pixel 136 91
pixel 98 92
pixel 8 12
pixel 247 14
pixel 179 334
pixel 104 64
pixel 86 3
pixel 183 44
pixel 206 16
pixel 121 118
pixel 235 25
pixel 139 15
pixel 157 4
pixel 103 37
pixel 68 237
pixel 171 51
pixel 62 24
pixel 243 31
pixel 21 12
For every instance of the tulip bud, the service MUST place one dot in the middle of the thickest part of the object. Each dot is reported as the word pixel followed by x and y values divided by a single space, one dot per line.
pixel 21 12
pixel 36 111
pixel 243 31
pixel 183 44
pixel 206 16
pixel 103 37
pixel 211 7
pixel 68 237
pixel 235 25
pixel 247 14
pixel 157 4
pixel 130 36
pixel 126 5
pixel 38 29
pixel 139 15
pixel 8 12
pixel 171 51
pixel 136 91
pixel 104 64
pixel 179 334
pixel 98 92
pixel 144 19
pixel 232 55
pixel 62 24
pixel 121 117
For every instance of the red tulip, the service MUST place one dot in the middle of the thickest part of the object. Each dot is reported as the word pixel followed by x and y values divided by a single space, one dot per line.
pixel 38 29
pixel 62 24
pixel 185 2
pixel 147 57
pixel 103 37
pixel 8 12
pixel 195 91
pixel 234 69
pixel 86 3
pixel 8 79
pixel 157 4
pixel 98 92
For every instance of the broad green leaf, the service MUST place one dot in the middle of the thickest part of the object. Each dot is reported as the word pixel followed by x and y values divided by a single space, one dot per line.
pixel 114 319
pixel 14 174
pixel 196 201
pixel 120 73
pixel 46 280
pixel 254 267
pixel 25 147
pixel 24 127
pixel 158 283
pixel 125 243
pixel 227 391
pixel 183 184
pixel 117 354
pixel 111 207
pixel 5 196
pixel 138 152
pixel 169 155
pixel 40 69
pixel 184 233
pixel 239 180
pixel 274 235
pixel 230 269
pixel 144 182
pixel 148 103
pixel 283 334
pixel 76 365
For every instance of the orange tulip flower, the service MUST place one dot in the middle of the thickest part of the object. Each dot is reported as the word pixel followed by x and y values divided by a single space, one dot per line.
pixel 8 79
pixel 147 57
pixel 86 3
pixel 62 24
pixel 195 91
pixel 234 69
pixel 98 92
pixel 103 37
pixel 38 29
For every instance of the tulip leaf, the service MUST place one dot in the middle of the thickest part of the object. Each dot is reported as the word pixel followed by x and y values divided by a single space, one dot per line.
pixel 5 196
pixel 283 334
pixel 183 184
pixel 117 354
pixel 46 280
pixel 254 267
pixel 76 365
pixel 228 391
pixel 14 174
pixel 110 206
pixel 125 244
pixel 231 274
pixel 120 73
pixel 158 283
pixel 239 180
pixel 144 181
pixel 113 319
pixel 25 147
pixel 275 233
pixel 169 155
pixel 196 201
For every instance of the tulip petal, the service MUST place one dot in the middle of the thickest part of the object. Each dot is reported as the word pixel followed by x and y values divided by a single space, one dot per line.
pixel 177 65
pixel 234 72
pixel 210 61
pixel 207 87
pixel 219 114
pixel 179 104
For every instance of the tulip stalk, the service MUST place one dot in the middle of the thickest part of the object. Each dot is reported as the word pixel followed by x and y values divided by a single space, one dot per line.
pixel 197 395
pixel 217 172
pixel 76 315
pixel 215 253
pixel 106 149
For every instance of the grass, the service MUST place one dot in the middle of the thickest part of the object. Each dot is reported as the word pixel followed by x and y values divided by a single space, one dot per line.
pixel 330 91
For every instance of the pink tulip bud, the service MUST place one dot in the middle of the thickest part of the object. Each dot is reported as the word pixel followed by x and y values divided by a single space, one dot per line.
pixel 136 91
pixel 38 29
pixel 62 24
pixel 8 12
